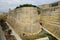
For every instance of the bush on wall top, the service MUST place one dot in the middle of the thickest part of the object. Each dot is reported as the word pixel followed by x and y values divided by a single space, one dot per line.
pixel 26 5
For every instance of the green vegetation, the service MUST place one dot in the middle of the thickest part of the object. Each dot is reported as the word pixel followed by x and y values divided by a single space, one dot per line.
pixel 47 35
pixel 34 37
pixel 26 5
pixel 51 37
pixel 37 36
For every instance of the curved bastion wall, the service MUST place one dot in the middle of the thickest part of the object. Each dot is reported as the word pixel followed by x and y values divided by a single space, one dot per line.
pixel 25 20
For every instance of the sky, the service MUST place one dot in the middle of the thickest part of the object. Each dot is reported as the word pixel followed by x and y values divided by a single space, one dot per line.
pixel 6 4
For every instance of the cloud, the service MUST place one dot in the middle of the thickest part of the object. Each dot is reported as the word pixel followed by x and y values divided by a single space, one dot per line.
pixel 6 4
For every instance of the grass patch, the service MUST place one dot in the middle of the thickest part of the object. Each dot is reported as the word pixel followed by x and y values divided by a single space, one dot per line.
pixel 37 36
pixel 51 37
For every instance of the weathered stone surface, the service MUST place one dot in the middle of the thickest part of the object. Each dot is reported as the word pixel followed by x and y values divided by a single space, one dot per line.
pixel 25 20
pixel 51 20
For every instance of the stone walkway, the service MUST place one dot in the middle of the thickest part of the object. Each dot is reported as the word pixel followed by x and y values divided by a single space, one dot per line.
pixel 2 37
pixel 14 33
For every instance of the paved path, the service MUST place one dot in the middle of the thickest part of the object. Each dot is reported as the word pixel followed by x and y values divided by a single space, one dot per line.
pixel 45 28
pixel 45 38
pixel 2 37
pixel 52 28
pixel 14 33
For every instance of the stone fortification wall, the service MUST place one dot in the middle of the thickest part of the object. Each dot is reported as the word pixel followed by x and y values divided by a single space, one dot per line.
pixel 51 20
pixel 25 20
